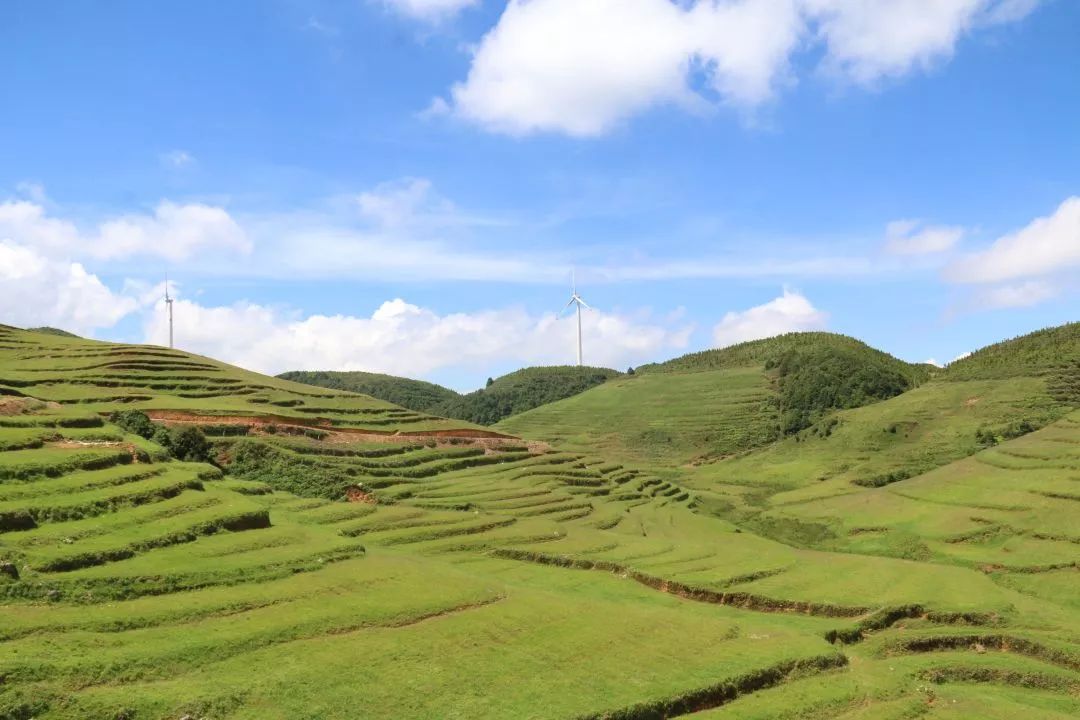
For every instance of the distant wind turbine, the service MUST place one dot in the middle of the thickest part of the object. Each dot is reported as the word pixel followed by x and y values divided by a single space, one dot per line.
pixel 575 299
pixel 168 304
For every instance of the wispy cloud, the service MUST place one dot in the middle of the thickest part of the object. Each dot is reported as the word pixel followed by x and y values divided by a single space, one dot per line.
pixel 177 159
pixel 913 237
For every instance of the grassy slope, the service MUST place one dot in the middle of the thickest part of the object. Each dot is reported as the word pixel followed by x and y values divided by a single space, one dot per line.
pixel 507 395
pixel 487 591
pixel 721 402
pixel 98 376
pixel 1031 379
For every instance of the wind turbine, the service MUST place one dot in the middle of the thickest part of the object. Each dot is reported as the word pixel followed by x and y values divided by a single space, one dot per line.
pixel 575 299
pixel 168 304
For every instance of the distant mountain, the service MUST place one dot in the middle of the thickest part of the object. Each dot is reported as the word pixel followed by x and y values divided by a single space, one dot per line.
pixel 503 397
pixel 412 394
pixel 523 390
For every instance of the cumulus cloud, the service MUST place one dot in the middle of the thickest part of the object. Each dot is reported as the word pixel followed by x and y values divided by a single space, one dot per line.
pixel 173 231
pixel 429 10
pixel 38 290
pixel 870 39
pixel 406 339
pixel 1047 245
pixel 911 237
pixel 581 67
pixel 791 312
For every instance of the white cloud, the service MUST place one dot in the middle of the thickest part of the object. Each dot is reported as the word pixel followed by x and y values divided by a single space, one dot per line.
pixel 32 191
pixel 933 362
pixel 429 10
pixel 405 339
pixel 38 290
pixel 791 312
pixel 396 203
pixel 26 223
pixel 175 232
pixel 177 159
pixel 911 237
pixel 1047 245
pixel 870 39
pixel 582 67
pixel 1026 294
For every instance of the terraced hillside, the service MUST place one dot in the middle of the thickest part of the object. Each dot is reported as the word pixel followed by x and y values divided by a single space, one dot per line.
pixel 719 403
pixel 98 377
pixel 325 570
pixel 999 393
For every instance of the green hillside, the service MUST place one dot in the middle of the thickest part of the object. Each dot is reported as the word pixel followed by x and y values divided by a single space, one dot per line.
pixel 343 557
pixel 412 394
pixel 523 390
pixel 1053 353
pixel 504 396
pixel 999 393
pixel 722 402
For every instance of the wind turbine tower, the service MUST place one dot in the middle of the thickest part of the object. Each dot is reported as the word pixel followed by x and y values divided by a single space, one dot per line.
pixel 575 299
pixel 168 304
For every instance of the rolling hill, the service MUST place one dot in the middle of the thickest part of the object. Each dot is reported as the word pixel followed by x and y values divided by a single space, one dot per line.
pixel 344 557
pixel 723 402
pixel 504 396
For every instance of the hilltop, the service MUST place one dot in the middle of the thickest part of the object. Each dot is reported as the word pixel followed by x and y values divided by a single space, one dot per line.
pixel 1053 353
pixel 504 396
pixel 723 402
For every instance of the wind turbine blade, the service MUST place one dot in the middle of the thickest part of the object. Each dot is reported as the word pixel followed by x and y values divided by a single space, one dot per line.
pixel 585 304
pixel 567 307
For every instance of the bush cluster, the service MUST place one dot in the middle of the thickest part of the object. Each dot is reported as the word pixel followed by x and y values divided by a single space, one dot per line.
pixel 988 437
pixel 187 443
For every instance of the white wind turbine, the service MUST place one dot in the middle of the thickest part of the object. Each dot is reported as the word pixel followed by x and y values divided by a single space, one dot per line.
pixel 575 299
pixel 169 305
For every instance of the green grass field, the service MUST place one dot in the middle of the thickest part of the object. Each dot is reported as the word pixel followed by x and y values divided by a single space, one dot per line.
pixel 661 557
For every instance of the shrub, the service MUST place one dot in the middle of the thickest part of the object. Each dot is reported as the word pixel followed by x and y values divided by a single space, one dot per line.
pixel 134 422
pixel 190 445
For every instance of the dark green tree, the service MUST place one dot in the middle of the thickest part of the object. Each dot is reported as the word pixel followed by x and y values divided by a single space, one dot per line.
pixel 134 422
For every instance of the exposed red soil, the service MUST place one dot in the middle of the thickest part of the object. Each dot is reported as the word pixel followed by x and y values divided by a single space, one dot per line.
pixel 356 494
pixel 260 423
pixel 10 405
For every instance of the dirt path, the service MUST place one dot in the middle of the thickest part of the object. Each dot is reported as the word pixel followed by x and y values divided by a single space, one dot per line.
pixel 84 444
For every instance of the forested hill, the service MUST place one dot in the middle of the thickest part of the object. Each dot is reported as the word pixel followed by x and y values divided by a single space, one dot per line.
pixel 412 394
pixel 815 372
pixel 523 390
pixel 507 395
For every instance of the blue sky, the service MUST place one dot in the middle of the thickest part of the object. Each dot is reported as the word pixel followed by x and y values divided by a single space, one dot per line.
pixel 404 185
